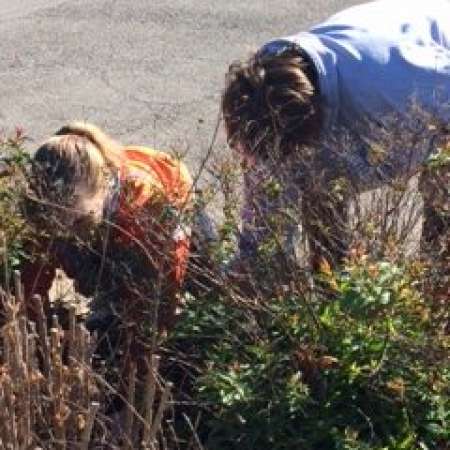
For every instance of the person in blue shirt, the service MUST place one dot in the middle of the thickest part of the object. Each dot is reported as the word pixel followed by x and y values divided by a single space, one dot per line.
pixel 338 95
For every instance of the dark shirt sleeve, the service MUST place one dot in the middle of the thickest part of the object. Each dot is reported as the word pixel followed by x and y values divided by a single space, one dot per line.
pixel 82 262
pixel 37 278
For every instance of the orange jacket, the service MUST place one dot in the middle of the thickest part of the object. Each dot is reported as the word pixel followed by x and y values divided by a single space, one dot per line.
pixel 155 189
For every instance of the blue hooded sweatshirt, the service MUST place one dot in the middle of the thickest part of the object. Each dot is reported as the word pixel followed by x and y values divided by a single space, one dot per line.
pixel 375 59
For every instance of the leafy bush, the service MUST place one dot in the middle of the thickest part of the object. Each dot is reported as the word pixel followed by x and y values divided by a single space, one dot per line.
pixel 13 228
pixel 368 369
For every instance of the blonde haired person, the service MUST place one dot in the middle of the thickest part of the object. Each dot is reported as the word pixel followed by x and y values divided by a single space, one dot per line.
pixel 318 100
pixel 113 221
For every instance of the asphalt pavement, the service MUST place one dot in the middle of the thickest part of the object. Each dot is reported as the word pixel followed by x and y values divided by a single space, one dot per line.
pixel 149 71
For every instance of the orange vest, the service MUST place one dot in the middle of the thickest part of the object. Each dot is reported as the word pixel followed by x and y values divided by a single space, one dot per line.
pixel 154 185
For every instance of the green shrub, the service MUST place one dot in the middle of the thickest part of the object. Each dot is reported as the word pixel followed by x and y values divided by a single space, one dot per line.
pixel 367 369
pixel 14 229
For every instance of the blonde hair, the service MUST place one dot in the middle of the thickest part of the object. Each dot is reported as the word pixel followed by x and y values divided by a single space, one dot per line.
pixel 78 157
pixel 270 103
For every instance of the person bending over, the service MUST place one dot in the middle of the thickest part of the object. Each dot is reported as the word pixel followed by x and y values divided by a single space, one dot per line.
pixel 314 107
pixel 112 217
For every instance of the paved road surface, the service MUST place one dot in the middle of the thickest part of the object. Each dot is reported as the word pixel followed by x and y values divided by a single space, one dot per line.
pixel 150 71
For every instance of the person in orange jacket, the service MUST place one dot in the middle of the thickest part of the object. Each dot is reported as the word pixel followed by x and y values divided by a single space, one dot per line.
pixel 112 217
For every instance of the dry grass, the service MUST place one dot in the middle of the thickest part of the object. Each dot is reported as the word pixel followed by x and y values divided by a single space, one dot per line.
pixel 52 396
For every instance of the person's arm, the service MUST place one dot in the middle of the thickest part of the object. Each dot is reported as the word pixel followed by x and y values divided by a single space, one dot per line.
pixel 37 278
pixel 83 263
pixel 270 211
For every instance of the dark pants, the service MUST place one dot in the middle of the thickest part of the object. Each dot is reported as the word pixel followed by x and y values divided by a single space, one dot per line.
pixel 434 186
pixel 326 223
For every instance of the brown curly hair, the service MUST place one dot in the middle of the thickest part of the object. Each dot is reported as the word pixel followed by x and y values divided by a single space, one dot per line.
pixel 270 104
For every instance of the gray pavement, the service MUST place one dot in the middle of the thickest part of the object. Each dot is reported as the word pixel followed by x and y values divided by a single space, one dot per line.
pixel 150 71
